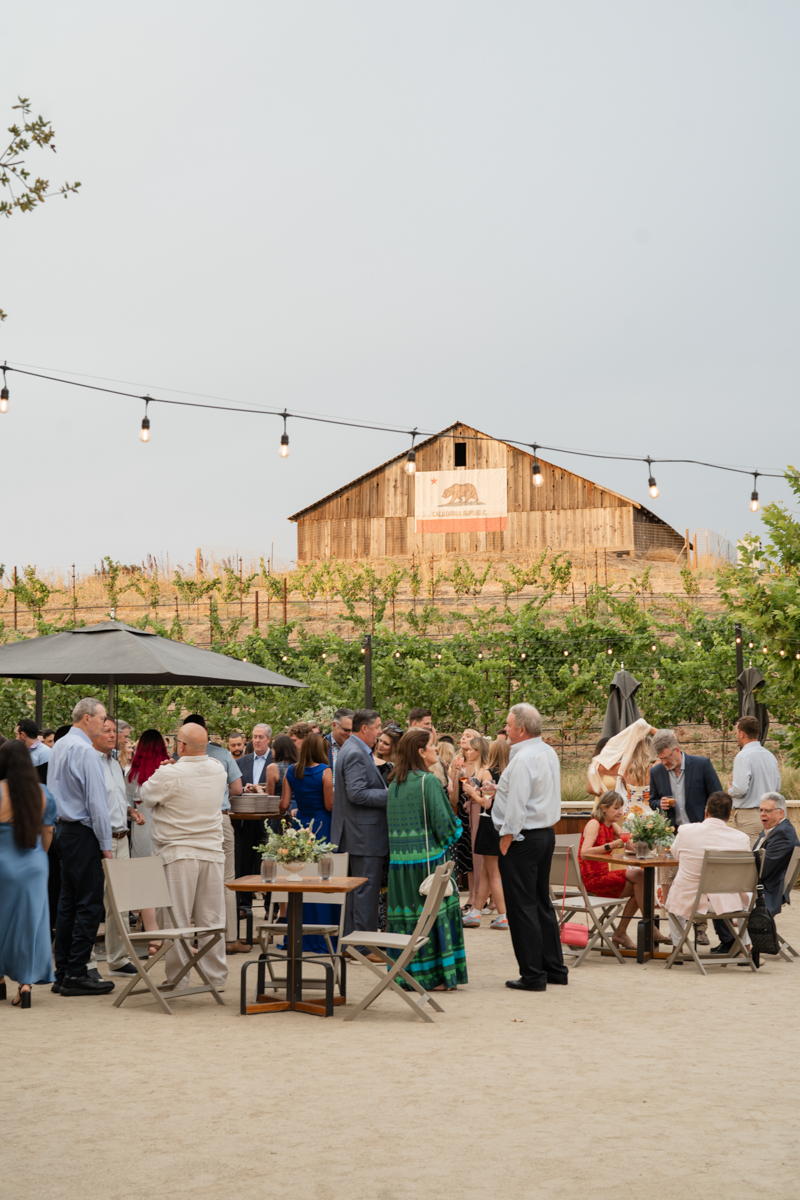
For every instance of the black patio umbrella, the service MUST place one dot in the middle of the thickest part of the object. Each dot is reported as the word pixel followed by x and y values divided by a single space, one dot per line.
pixel 749 681
pixel 113 653
pixel 622 709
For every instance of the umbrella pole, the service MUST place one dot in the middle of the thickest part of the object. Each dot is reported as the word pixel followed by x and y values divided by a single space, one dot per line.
pixel 39 702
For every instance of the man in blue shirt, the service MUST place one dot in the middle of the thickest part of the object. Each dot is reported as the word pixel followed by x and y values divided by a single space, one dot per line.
pixel 75 777
pixel 28 732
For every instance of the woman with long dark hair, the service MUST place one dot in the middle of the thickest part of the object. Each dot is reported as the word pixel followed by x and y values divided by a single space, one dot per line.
pixel 25 953
pixel 308 788
pixel 151 751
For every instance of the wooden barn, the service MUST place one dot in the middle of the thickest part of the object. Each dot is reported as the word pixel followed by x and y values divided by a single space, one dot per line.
pixel 472 494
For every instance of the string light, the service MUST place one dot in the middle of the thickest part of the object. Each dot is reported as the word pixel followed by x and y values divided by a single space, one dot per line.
pixel 438 656
pixel 4 394
pixel 397 653
pixel 324 655
pixel 144 435
pixel 651 483
pixel 538 477
pixel 284 450
pixel 797 655
pixel 609 650
pixel 653 646
pixel 285 658
pixel 699 643
pixel 566 654
pixel 738 641
pixel 363 650
pixel 411 457
pixel 782 652
pixel 751 644
pixel 523 655
pixel 754 493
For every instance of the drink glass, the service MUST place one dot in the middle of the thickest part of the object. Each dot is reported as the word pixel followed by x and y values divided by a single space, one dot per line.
pixel 269 870
pixel 325 866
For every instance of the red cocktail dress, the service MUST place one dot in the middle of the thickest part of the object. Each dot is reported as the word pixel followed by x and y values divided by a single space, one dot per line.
pixel 597 879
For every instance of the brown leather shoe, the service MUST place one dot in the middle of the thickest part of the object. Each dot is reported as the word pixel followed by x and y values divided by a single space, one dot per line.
pixel 373 957
pixel 237 947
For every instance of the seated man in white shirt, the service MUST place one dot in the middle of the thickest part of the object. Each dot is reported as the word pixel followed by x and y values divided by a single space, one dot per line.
pixel 691 842
pixel 186 828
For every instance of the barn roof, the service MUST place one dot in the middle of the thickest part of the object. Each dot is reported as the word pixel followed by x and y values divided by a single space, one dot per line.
pixel 459 425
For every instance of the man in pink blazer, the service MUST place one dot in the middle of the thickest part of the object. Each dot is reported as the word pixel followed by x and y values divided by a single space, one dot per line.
pixel 691 842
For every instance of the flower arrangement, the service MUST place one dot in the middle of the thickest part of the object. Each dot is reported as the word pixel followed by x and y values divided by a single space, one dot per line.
pixel 297 845
pixel 650 827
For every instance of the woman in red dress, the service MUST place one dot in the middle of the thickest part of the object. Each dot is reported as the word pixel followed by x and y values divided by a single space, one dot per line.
pixel 603 831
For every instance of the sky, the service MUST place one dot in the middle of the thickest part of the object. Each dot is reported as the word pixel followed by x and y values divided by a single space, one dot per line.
pixel 574 224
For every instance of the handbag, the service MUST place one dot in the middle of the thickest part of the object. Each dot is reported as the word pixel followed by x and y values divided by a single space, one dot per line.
pixel 427 882
pixel 572 932
pixel 761 925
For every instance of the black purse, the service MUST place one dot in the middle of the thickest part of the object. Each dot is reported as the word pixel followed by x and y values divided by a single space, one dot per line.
pixel 761 925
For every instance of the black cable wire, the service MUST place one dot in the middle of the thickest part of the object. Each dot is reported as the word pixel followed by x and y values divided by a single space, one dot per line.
pixel 350 424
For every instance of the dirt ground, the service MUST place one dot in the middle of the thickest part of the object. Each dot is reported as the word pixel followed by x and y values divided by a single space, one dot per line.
pixel 630 1082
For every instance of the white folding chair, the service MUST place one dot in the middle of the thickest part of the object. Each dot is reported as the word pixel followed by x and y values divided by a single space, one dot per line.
pixel 600 911
pixel 721 871
pixel 142 883
pixel 409 944
pixel 267 931
pixel 569 839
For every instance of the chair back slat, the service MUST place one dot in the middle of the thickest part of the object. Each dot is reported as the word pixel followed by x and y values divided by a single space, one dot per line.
pixel 568 839
pixel 137 883
pixel 565 860
pixel 792 870
pixel 728 871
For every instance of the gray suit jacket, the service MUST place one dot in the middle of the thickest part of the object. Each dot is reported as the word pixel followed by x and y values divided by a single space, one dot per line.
pixel 358 821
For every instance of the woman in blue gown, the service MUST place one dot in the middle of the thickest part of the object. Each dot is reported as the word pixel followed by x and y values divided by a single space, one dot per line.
pixel 308 787
pixel 26 821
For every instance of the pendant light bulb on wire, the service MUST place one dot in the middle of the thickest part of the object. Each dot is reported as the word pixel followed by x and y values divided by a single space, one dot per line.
pixel 4 394
pixel 538 477
pixel 411 457
pixel 651 483
pixel 144 434
pixel 754 493
pixel 284 450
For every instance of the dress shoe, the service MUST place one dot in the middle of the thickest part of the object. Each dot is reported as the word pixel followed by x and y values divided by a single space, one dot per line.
pixel 84 985
pixel 125 971
pixel 720 949
pixel 237 947
pixel 57 986
pixel 375 958
pixel 520 985
pixel 701 938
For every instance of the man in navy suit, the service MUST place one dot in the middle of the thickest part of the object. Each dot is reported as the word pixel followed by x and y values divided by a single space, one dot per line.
pixel 358 822
pixel 680 785
pixel 249 834
pixel 778 840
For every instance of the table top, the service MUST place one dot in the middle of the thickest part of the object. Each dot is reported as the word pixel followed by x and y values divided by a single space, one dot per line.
pixel 246 816
pixel 618 860
pixel 254 883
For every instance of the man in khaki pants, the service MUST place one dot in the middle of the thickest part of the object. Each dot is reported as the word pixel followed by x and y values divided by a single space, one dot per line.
pixel 755 772
pixel 119 811
pixel 186 828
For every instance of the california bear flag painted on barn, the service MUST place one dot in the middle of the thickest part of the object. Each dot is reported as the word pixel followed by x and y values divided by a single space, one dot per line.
pixel 461 501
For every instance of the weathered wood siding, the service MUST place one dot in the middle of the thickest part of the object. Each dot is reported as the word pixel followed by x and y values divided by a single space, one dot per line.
pixel 374 516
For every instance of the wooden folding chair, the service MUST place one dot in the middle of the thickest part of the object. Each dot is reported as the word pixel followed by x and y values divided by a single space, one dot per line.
pixel 409 944
pixel 142 883
pixel 267 931
pixel 600 911
pixel 721 871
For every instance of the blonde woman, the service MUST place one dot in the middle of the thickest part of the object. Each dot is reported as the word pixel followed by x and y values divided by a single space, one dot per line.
pixel 487 843
pixel 612 758
pixel 603 831
pixel 637 779
pixel 470 766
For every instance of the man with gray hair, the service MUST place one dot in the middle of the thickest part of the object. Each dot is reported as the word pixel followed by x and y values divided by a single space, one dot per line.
pixel 526 806
pixel 75 777
pixel 249 834
pixel 341 728
pixel 778 839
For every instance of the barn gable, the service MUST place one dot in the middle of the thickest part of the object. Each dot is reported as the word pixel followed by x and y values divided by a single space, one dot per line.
pixel 375 515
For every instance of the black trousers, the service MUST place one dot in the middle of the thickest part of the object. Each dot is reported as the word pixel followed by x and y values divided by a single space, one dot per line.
pixel 80 905
pixel 54 879
pixel 532 922
pixel 247 835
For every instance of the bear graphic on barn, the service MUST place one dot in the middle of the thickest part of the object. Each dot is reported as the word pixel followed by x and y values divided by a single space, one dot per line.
pixel 460 493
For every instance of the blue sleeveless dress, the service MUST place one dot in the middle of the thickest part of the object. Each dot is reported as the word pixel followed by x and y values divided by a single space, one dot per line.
pixel 25 954
pixel 307 798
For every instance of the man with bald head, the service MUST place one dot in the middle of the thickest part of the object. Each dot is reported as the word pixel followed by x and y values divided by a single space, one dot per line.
pixel 186 827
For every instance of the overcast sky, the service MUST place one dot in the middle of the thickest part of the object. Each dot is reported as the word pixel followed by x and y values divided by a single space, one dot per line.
pixel 570 223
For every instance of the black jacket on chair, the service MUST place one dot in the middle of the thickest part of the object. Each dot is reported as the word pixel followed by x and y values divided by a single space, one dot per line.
pixel 701 780
pixel 777 849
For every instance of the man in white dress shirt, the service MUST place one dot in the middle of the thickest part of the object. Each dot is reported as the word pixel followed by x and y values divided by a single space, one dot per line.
pixel 526 806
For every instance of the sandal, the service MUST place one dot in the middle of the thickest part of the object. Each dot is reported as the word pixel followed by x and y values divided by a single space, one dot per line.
pixel 658 936
pixel 150 951
pixel 22 999
pixel 623 941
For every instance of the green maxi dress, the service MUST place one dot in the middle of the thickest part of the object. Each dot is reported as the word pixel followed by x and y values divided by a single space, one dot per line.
pixel 443 959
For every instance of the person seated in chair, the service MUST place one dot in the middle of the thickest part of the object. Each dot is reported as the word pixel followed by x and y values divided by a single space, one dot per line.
pixel 778 840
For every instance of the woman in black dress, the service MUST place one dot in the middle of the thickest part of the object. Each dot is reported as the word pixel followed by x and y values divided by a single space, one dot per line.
pixel 487 844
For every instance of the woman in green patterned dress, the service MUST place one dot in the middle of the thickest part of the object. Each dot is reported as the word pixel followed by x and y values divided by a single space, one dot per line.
pixel 442 963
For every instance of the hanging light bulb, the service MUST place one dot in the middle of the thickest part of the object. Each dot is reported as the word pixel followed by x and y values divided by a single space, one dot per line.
pixel 284 450
pixel 397 653
pixel 651 483
pixel 538 477
pixel 764 650
pixel 4 394
pixel 609 650
pixel 782 653
pixel 523 655
pixel 751 644
pixel 653 646
pixel 566 654
pixel 754 493
pixel 411 457
pixel 144 435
